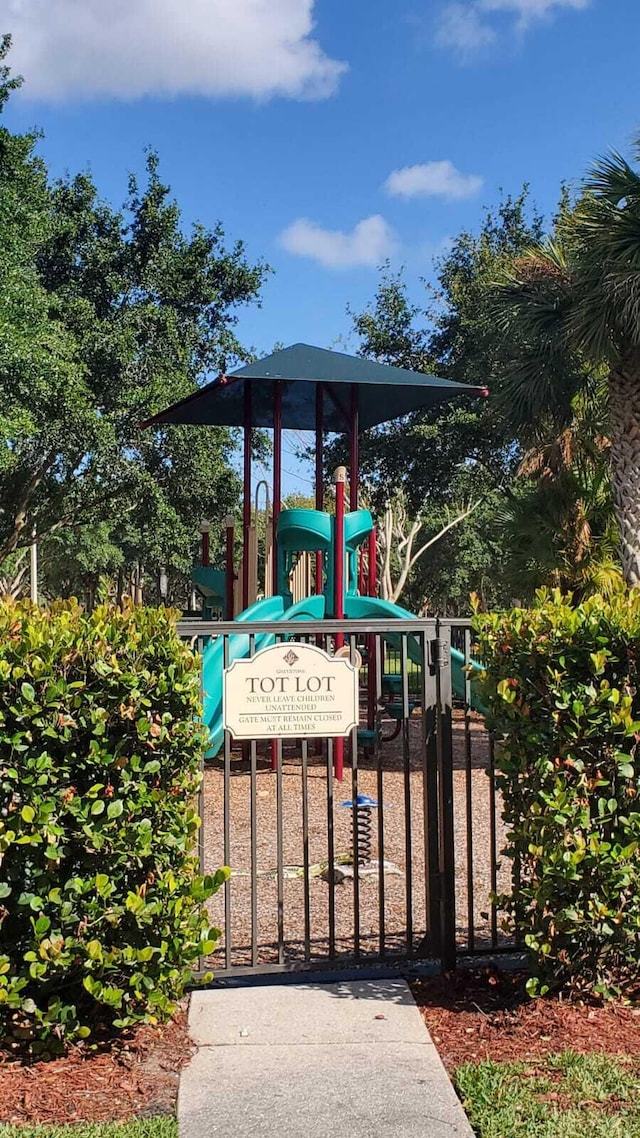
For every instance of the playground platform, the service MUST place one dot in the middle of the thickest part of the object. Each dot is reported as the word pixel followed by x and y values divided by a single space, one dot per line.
pixel 342 1060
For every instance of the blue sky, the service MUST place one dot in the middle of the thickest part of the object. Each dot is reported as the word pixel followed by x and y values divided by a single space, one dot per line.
pixel 329 134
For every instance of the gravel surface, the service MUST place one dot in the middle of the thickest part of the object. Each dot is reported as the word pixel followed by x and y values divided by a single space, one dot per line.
pixel 400 848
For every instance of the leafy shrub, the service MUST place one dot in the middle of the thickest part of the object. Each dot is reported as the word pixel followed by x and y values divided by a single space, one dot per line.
pixel 101 903
pixel 562 689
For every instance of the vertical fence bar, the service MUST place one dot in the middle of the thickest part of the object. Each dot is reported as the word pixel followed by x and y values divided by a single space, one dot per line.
pixel 280 866
pixel 445 796
pixel 331 852
pixel 406 765
pixel 253 827
pixel 493 911
pixel 254 854
pixel 468 775
pixel 305 851
pixel 201 790
pixel 353 748
pixel 379 665
pixel 517 882
pixel 431 941
pixel 227 825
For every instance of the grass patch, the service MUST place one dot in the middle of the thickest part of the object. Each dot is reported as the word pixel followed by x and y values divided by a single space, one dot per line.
pixel 562 1096
pixel 139 1128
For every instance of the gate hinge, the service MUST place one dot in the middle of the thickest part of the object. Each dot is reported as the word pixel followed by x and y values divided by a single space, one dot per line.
pixel 439 653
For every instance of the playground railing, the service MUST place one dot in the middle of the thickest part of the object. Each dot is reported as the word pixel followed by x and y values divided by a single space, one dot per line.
pixel 408 876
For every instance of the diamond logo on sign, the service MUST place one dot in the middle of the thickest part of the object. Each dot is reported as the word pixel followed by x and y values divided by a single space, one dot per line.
pixel 300 694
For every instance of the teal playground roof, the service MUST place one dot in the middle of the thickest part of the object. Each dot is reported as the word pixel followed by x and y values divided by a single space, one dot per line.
pixel 383 392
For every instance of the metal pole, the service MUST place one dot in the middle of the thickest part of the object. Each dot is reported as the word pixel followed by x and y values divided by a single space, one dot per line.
pixel 319 473
pixel 339 478
pixel 277 473
pixel 230 575
pixel 371 654
pixel 246 501
pixel 263 485
pixel 354 449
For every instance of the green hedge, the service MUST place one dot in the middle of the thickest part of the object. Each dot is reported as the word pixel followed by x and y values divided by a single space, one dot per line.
pixel 562 689
pixel 102 910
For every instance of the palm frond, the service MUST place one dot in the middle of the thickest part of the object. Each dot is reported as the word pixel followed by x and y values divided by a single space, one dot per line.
pixel 612 177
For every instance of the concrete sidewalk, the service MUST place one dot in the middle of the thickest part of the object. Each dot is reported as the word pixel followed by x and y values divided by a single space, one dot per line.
pixel 346 1060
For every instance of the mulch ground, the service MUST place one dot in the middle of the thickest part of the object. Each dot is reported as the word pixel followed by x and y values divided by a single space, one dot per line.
pixel 135 1076
pixel 480 1015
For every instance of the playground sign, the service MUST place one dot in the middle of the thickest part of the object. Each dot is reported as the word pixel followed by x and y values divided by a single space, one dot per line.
pixel 294 690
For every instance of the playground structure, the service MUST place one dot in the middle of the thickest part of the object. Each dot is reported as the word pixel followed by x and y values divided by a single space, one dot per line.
pixel 405 864
pixel 317 565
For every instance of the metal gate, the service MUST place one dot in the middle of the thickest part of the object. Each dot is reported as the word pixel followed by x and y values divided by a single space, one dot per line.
pixel 410 872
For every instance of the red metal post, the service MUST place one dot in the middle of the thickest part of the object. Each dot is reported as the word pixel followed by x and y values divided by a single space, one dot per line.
pixel 275 512
pixel 319 472
pixel 277 474
pixel 246 501
pixel 204 543
pixel 354 449
pixel 229 525
pixel 339 478
pixel 371 654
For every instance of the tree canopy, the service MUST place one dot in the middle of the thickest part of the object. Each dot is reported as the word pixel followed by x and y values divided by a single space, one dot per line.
pixel 572 303
pixel 444 459
pixel 106 316
pixel 532 459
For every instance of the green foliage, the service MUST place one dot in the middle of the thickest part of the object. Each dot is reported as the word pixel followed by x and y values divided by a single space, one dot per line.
pixel 106 316
pixel 447 456
pixel 558 524
pixel 458 448
pixel 570 305
pixel 562 689
pixel 561 1096
pixel 101 902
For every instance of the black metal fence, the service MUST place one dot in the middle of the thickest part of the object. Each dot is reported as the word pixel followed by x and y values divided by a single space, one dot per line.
pixel 408 873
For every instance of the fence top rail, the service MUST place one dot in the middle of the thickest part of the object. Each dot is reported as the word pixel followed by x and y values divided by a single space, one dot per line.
pixel 189 629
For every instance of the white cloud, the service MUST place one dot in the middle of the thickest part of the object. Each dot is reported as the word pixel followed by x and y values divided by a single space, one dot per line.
pixel 369 243
pixel 466 27
pixel 125 49
pixel 461 28
pixel 529 10
pixel 432 179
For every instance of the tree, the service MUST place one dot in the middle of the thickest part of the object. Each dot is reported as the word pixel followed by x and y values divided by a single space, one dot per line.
pixel 463 451
pixel 559 526
pixel 107 316
pixel 402 547
pixel 45 416
pixel 452 336
pixel 573 305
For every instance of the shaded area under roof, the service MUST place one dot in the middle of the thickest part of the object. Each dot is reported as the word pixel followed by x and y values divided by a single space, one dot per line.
pixel 383 392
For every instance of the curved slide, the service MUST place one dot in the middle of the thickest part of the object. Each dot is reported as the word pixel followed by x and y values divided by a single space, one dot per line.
pixel 239 646
pixel 360 608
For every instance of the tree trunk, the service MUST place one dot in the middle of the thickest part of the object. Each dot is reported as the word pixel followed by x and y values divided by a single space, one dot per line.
pixel 624 418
